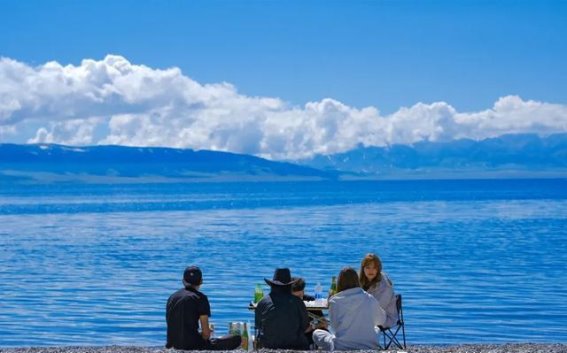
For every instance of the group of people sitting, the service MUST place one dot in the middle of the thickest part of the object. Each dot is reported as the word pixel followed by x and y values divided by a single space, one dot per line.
pixel 363 302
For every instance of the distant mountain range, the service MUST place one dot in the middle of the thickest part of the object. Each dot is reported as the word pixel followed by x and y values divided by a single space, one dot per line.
pixel 57 163
pixel 505 156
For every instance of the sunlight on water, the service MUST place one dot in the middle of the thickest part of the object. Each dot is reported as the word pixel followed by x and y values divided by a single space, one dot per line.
pixel 95 265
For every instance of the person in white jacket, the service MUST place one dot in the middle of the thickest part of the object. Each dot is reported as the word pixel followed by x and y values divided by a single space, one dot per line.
pixel 354 315
pixel 377 283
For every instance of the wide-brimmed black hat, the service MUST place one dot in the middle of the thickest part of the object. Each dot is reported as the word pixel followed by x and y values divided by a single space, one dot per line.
pixel 282 277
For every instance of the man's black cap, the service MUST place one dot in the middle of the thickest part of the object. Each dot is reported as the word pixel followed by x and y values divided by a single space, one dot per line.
pixel 193 275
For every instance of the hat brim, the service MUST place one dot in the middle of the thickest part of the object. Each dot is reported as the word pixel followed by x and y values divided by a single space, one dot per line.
pixel 278 283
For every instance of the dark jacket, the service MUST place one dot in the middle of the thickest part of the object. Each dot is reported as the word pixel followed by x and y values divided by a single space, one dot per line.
pixel 281 320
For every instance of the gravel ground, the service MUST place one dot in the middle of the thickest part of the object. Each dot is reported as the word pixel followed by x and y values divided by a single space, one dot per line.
pixel 466 348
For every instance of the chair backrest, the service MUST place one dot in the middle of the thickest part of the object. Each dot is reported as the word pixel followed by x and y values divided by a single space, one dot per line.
pixel 399 308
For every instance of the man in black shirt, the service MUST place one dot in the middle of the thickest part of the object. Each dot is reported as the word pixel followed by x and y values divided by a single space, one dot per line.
pixel 281 318
pixel 185 309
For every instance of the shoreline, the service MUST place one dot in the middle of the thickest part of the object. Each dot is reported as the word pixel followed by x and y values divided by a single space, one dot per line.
pixel 418 348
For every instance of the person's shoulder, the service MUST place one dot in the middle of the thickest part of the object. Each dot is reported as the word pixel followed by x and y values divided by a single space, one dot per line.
pixel 191 294
pixel 201 295
pixel 265 300
pixel 333 299
pixel 178 296
pixel 386 279
pixel 178 293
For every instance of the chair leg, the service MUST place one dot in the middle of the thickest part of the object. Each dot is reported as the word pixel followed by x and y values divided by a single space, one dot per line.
pixel 385 339
pixel 393 339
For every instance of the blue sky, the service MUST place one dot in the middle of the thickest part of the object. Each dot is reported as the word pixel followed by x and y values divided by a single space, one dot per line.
pixel 388 55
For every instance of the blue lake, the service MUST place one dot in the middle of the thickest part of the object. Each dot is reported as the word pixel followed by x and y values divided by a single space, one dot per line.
pixel 475 261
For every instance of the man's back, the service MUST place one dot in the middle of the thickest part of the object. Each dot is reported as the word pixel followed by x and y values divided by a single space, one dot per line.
pixel 282 319
pixel 183 310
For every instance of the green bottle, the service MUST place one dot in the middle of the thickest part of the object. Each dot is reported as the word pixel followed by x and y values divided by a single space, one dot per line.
pixel 258 293
pixel 244 338
pixel 333 289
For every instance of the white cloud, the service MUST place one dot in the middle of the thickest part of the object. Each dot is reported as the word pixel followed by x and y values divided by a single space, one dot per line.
pixel 69 132
pixel 113 101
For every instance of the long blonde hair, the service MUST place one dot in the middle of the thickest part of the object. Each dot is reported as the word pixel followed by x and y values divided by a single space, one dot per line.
pixel 370 258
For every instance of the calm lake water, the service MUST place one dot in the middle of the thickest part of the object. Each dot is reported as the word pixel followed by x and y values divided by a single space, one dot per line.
pixel 476 261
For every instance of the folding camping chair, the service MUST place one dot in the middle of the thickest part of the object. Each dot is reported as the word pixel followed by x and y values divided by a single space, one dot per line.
pixel 390 334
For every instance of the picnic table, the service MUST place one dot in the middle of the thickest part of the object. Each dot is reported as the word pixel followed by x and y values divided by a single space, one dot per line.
pixel 312 306
pixel 316 305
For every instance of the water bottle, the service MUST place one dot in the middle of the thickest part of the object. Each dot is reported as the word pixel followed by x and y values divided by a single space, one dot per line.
pixel 251 338
pixel 318 292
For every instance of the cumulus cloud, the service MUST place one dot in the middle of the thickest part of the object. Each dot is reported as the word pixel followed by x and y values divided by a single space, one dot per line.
pixel 113 101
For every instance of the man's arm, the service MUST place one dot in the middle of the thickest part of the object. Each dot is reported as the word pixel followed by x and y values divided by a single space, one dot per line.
pixel 205 330
pixel 258 317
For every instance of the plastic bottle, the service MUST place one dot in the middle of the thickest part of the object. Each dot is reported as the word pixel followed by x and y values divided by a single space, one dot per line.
pixel 258 293
pixel 318 292
pixel 251 337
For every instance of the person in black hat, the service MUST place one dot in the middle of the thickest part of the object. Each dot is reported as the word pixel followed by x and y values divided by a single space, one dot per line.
pixel 281 318
pixel 185 309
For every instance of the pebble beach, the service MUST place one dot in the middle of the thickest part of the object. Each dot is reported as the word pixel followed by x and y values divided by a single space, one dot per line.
pixel 465 348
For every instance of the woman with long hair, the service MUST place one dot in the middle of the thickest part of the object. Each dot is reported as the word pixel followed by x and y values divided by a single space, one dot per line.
pixel 377 283
pixel 354 315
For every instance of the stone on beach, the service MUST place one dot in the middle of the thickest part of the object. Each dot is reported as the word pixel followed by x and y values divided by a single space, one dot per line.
pixel 465 348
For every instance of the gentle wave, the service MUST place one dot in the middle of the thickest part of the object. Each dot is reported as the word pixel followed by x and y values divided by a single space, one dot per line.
pixel 485 270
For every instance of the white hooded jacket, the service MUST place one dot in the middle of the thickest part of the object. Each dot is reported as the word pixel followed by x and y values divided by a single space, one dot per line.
pixel 354 315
